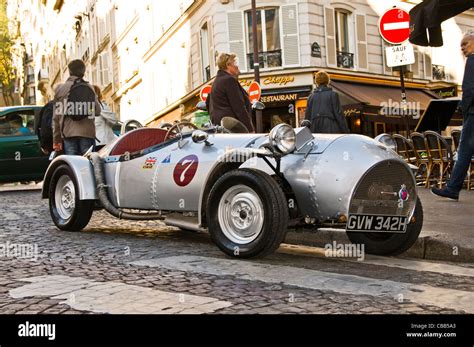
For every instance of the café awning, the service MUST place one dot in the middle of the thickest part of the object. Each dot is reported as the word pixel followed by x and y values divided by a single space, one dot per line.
pixel 378 96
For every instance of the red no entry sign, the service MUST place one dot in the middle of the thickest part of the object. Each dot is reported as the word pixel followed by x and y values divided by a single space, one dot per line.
pixel 255 92
pixel 205 91
pixel 394 26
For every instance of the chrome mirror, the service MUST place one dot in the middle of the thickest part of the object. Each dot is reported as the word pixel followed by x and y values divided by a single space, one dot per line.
pixel 200 136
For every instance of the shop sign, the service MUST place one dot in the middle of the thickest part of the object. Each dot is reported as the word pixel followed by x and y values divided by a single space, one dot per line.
pixel 279 98
pixel 446 92
pixel 271 81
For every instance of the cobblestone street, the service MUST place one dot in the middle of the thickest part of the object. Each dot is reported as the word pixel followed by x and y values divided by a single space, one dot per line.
pixel 117 266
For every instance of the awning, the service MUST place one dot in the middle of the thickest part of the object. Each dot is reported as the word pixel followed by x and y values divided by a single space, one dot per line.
pixel 377 96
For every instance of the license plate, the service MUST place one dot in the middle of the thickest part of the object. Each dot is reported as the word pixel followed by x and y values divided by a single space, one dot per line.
pixel 377 224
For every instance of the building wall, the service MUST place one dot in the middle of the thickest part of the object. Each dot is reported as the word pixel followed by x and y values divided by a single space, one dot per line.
pixel 146 55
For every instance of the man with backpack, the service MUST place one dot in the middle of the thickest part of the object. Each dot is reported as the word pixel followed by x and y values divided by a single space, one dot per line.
pixel 75 109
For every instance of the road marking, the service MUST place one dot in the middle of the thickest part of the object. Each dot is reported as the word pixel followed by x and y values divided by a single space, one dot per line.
pixel 421 266
pixel 318 280
pixel 115 297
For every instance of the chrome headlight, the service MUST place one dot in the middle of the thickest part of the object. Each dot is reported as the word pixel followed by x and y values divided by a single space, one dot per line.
pixel 387 141
pixel 283 138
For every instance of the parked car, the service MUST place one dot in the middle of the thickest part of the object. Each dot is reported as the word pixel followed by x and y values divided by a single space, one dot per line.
pixel 244 189
pixel 21 158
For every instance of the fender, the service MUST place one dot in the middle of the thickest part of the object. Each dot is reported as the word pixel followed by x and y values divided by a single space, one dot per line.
pixel 83 172
pixel 230 160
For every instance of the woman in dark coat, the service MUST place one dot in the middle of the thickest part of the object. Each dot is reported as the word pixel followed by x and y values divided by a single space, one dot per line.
pixel 324 109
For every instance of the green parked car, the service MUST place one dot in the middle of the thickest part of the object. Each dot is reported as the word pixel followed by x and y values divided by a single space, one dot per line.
pixel 21 158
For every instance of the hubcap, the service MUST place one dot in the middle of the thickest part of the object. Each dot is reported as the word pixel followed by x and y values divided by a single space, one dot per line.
pixel 65 197
pixel 241 214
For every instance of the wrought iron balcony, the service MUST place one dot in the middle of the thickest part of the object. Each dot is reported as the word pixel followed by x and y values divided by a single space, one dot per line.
pixel 439 72
pixel 207 76
pixel 266 59
pixel 345 60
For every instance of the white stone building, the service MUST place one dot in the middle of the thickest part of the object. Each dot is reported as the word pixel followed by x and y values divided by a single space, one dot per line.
pixel 151 57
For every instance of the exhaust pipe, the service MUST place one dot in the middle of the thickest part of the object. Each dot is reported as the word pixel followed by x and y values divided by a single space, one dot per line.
pixel 98 165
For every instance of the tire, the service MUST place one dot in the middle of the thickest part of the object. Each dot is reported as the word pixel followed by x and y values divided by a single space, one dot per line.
pixel 66 216
pixel 391 244
pixel 241 192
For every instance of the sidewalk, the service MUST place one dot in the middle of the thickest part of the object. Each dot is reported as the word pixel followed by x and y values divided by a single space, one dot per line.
pixel 18 187
pixel 447 234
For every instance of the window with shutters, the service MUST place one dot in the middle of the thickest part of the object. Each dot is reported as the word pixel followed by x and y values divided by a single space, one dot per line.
pixel 105 72
pixel 205 57
pixel 268 37
pixel 344 39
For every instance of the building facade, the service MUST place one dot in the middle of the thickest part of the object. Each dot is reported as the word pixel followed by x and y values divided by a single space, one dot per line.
pixel 152 57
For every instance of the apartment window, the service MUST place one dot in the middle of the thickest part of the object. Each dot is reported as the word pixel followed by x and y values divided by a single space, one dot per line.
pixel 105 69
pixel 206 62
pixel 269 41
pixel 344 34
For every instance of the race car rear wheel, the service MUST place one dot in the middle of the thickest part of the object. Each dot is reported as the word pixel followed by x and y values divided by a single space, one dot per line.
pixel 247 214
pixel 391 244
pixel 67 211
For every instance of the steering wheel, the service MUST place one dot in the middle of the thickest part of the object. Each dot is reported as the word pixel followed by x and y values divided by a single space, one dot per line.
pixel 178 128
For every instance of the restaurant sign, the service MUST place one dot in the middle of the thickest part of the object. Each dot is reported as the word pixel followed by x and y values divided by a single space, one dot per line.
pixel 279 98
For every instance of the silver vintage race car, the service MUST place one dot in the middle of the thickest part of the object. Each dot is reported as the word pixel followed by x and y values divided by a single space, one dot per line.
pixel 244 189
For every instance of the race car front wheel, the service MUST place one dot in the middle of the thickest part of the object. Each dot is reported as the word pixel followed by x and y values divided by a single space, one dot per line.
pixel 247 214
pixel 67 211
pixel 390 244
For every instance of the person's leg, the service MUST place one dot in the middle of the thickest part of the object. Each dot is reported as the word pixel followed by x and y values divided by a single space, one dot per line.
pixel 71 146
pixel 85 144
pixel 465 153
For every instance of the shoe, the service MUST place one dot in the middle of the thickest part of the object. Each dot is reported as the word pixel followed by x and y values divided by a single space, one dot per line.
pixel 444 193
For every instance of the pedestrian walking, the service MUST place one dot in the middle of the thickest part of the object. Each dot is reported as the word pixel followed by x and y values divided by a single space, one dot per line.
pixel 228 98
pixel 104 123
pixel 466 145
pixel 76 106
pixel 324 108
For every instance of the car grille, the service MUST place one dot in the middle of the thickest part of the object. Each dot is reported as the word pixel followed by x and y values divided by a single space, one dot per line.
pixel 378 191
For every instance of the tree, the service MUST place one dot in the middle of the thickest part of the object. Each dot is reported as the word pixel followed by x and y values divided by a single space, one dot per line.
pixel 7 70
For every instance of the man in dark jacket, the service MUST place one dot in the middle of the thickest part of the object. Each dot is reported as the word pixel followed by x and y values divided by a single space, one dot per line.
pixel 324 109
pixel 228 98
pixel 466 146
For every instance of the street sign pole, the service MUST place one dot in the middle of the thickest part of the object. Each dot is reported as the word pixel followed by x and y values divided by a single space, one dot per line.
pixel 404 99
pixel 394 27
pixel 256 62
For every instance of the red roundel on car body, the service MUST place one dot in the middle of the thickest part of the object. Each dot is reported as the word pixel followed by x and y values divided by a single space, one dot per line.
pixel 185 170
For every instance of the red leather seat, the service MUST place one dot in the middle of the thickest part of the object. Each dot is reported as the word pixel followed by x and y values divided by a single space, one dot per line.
pixel 138 140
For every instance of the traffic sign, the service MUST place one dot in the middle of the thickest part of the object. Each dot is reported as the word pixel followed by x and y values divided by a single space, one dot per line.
pixel 205 91
pixel 255 92
pixel 394 26
pixel 400 55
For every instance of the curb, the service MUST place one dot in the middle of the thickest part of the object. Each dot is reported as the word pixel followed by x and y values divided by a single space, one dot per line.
pixel 426 247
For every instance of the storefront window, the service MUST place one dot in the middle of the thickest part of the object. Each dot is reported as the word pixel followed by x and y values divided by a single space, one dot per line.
pixel 269 42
